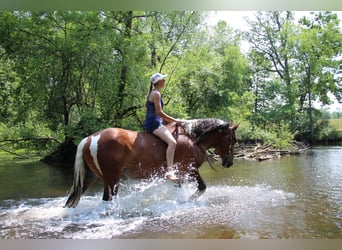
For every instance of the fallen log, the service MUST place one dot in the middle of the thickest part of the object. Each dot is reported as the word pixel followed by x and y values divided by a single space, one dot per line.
pixel 9 145
pixel 267 152
pixel 38 140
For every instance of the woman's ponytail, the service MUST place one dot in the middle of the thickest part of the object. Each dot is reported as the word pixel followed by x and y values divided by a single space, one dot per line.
pixel 151 87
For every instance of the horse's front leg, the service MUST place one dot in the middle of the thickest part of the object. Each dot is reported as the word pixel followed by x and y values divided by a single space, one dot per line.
pixel 201 187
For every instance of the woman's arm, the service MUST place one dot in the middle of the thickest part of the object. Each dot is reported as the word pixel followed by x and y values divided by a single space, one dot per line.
pixel 155 98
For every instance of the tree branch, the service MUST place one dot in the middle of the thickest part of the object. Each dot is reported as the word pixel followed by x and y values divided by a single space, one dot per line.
pixel 177 39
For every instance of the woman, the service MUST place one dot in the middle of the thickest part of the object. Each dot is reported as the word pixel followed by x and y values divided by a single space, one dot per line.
pixel 154 121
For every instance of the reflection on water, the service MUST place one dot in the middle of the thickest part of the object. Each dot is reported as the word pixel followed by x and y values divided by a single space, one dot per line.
pixel 295 197
pixel 33 180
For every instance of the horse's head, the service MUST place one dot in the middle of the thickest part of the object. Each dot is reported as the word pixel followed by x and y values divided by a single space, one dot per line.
pixel 225 141
pixel 213 133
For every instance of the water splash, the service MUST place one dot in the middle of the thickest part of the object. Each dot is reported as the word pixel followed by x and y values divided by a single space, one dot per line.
pixel 141 207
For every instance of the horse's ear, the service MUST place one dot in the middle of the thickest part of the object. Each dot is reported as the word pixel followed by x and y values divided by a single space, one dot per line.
pixel 223 127
pixel 235 126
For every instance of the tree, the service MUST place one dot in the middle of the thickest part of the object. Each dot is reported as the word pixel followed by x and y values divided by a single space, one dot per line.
pixel 8 85
pixel 269 35
pixel 213 73
pixel 317 43
pixel 53 52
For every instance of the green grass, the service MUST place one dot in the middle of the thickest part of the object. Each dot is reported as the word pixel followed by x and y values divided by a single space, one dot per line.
pixel 336 123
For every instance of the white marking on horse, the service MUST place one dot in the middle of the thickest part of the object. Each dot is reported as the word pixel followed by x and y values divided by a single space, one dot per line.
pixel 93 150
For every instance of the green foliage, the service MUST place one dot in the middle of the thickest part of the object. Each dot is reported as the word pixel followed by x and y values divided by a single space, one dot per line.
pixel 328 130
pixel 70 73
pixel 8 85
pixel 284 136
pixel 30 135
pixel 88 124
pixel 23 131
pixel 301 57
pixel 278 137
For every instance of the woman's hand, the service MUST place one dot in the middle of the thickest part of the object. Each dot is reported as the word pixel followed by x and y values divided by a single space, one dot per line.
pixel 179 121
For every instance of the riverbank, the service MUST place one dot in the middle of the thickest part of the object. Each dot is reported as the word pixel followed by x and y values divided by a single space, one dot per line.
pixel 261 152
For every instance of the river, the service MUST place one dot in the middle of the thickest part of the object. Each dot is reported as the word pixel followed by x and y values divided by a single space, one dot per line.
pixel 296 197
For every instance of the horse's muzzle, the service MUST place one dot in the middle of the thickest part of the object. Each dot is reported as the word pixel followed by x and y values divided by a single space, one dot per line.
pixel 227 162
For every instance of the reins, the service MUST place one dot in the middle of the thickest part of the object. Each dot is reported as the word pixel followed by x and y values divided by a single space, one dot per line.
pixel 212 167
pixel 177 133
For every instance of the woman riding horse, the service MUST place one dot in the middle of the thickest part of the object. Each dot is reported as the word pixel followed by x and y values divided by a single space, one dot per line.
pixel 154 121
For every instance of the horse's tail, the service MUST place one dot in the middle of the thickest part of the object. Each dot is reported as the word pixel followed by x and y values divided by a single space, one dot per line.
pixel 79 175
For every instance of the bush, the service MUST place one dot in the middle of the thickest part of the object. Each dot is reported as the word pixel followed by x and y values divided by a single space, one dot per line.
pixel 280 137
pixel 28 135
pixel 327 133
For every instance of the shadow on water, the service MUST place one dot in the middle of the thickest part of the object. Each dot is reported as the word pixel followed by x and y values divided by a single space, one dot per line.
pixel 294 197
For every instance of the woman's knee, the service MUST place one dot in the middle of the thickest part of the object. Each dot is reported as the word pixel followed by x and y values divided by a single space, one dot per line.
pixel 172 143
pixel 166 136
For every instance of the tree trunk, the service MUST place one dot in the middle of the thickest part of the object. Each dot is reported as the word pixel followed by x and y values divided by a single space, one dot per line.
pixel 127 20
pixel 310 116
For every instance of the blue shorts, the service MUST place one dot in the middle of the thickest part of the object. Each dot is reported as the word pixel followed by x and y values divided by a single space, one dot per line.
pixel 152 123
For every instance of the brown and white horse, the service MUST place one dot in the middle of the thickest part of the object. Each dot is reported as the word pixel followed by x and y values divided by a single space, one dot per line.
pixel 112 152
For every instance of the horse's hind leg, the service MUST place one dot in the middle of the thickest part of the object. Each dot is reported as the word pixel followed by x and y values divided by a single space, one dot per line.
pixel 111 171
pixel 110 190
pixel 107 192
pixel 89 179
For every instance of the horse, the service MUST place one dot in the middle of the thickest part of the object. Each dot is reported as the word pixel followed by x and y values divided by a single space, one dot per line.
pixel 113 152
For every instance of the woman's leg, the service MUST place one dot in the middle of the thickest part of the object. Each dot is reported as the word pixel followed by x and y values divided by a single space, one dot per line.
pixel 163 133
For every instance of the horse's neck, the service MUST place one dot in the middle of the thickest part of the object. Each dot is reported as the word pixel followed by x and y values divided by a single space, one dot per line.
pixel 206 143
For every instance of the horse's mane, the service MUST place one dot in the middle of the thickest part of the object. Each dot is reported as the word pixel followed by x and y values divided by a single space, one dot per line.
pixel 197 128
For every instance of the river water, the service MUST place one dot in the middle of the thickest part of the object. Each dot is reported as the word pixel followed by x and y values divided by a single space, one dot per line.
pixel 296 197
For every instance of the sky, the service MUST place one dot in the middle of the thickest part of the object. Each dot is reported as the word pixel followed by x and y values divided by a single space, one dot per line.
pixel 235 19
